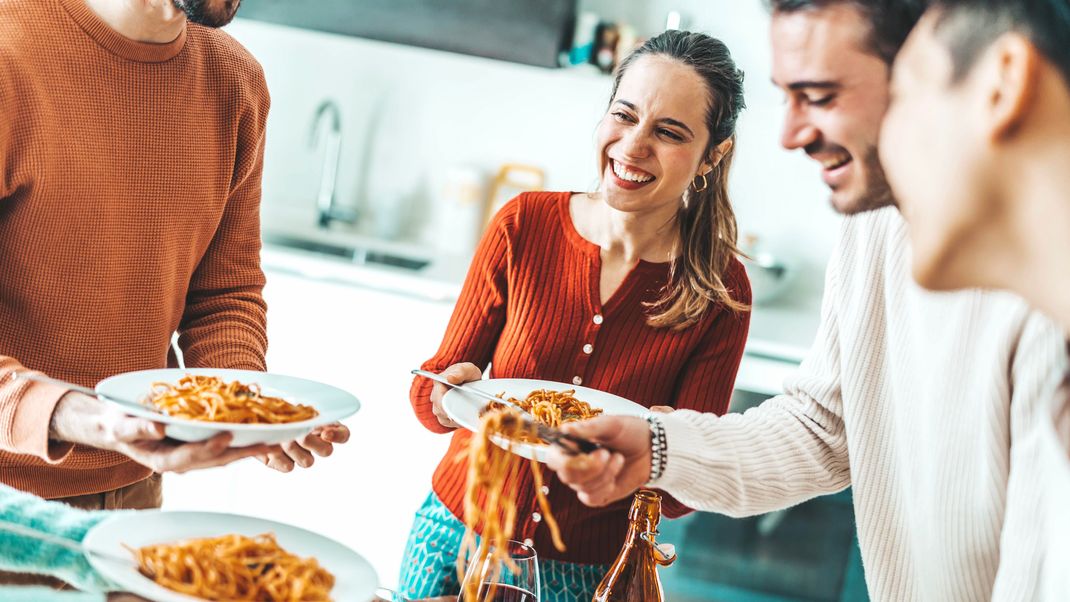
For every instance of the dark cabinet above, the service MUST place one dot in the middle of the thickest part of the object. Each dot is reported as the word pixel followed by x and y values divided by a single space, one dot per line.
pixel 533 32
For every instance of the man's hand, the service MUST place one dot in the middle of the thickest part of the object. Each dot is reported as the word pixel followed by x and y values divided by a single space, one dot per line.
pixel 457 374
pixel 88 421
pixel 606 476
pixel 299 452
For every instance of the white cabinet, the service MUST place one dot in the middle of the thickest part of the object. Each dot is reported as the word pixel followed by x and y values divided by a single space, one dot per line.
pixel 364 341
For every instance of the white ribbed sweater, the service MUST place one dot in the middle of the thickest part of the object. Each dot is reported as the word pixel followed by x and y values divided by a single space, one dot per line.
pixel 916 399
pixel 1054 436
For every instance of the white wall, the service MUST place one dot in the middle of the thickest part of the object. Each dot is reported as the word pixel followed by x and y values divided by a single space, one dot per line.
pixel 409 113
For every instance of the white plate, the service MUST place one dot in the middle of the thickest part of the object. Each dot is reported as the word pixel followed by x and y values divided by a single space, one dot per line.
pixel 464 409
pixel 332 403
pixel 355 580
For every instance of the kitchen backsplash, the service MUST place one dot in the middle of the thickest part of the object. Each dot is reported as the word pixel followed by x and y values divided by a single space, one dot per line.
pixel 410 117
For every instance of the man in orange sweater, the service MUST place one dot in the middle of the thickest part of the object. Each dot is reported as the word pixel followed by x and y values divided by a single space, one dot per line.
pixel 131 150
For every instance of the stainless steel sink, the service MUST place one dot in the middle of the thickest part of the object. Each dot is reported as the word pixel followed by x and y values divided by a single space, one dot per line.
pixel 361 255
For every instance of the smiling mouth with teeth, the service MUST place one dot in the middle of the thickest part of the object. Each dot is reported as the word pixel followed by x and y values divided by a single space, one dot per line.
pixel 835 162
pixel 629 175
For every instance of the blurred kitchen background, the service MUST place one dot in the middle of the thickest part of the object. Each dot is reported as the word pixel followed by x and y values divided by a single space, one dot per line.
pixel 396 127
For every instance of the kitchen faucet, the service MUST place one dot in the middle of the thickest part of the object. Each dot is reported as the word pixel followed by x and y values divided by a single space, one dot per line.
pixel 325 205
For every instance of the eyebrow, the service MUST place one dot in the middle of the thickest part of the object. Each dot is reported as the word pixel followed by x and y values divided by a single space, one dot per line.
pixel 665 120
pixel 810 85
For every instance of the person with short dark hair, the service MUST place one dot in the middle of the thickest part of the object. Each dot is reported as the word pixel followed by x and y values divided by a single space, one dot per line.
pixel 916 400
pixel 975 144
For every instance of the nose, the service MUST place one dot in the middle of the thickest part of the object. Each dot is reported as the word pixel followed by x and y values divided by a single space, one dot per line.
pixel 635 143
pixel 798 131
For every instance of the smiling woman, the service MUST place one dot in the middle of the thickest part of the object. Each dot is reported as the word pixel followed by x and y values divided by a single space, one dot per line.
pixel 634 290
pixel 666 146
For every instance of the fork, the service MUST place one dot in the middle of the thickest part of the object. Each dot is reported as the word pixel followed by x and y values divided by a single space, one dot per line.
pixel 67 544
pixel 85 391
pixel 572 444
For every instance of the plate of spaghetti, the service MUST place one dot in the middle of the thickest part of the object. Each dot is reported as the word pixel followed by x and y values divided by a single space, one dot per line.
pixel 257 407
pixel 182 556
pixel 549 402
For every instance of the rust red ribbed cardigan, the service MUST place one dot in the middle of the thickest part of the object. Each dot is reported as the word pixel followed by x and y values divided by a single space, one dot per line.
pixel 530 307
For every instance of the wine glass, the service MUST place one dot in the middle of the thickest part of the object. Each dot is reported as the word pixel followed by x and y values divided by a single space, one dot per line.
pixel 498 582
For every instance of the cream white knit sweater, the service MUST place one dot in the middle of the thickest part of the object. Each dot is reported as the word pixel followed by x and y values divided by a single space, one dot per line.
pixel 916 400
pixel 1054 437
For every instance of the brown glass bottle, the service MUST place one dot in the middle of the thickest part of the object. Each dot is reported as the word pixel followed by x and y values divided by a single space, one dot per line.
pixel 633 577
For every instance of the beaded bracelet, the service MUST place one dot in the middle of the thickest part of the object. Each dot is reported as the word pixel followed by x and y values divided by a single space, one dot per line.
pixel 658 447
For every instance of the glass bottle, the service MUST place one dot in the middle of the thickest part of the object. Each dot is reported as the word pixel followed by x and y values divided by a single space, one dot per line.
pixel 633 577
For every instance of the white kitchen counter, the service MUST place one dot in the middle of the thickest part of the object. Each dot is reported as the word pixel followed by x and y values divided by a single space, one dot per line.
pixel 780 337
pixel 440 280
pixel 780 333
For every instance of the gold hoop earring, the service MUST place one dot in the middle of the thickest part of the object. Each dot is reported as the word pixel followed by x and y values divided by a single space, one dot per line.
pixel 705 184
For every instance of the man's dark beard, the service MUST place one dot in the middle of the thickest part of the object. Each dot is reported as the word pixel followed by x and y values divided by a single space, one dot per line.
pixel 877 194
pixel 204 12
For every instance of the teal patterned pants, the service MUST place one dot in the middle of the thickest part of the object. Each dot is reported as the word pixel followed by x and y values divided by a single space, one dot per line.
pixel 429 568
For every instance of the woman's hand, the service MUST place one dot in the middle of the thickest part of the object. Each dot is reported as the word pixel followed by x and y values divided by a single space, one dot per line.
pixel 457 374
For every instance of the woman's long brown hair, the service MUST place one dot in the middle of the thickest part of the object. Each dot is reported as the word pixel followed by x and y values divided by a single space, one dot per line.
pixel 706 223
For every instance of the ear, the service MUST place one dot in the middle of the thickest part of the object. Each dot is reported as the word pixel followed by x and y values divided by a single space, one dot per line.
pixel 715 157
pixel 1012 85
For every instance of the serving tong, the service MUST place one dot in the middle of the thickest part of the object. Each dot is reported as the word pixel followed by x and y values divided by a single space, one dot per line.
pixel 571 444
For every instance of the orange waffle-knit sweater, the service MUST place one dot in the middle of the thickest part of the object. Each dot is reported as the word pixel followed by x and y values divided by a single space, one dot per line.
pixel 129 198
pixel 530 307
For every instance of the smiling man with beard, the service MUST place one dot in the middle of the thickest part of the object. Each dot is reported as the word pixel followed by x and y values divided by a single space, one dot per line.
pixel 209 13
pixel 920 401
pixel 131 150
